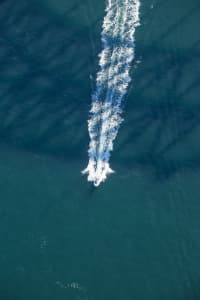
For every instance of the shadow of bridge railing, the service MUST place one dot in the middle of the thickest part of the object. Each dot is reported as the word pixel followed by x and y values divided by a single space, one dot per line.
pixel 162 115
pixel 43 76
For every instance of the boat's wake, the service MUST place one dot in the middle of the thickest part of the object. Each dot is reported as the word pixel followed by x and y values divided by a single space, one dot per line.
pixel 122 17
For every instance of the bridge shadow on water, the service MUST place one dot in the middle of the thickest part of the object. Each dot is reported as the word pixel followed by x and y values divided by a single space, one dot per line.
pixel 44 80
pixel 162 110
pixel 45 93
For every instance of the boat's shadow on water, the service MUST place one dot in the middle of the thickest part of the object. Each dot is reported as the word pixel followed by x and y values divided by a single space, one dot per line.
pixel 45 94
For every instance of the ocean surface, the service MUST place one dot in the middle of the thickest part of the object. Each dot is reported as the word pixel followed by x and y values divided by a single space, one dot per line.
pixel 136 236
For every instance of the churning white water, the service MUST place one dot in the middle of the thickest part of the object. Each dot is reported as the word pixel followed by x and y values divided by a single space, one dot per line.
pixel 120 22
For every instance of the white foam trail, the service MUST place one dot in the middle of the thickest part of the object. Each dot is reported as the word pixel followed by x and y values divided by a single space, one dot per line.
pixel 120 21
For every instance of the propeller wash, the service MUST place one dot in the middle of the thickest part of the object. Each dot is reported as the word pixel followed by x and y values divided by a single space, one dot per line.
pixel 120 22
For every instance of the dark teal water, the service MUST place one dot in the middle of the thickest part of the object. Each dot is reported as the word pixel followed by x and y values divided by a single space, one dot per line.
pixel 137 236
